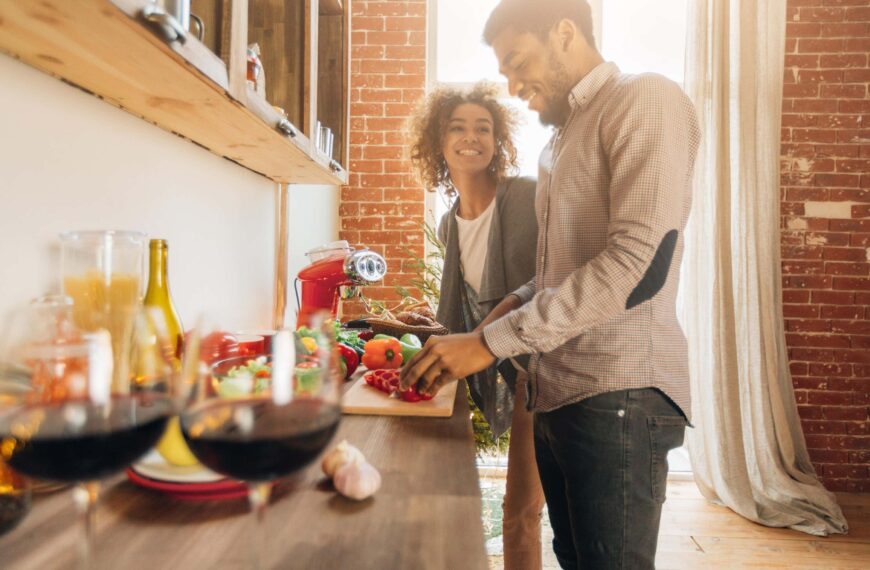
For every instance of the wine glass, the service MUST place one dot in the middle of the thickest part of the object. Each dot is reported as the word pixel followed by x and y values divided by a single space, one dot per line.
pixel 260 418
pixel 62 418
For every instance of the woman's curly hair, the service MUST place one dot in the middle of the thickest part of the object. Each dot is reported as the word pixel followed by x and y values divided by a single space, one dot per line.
pixel 429 123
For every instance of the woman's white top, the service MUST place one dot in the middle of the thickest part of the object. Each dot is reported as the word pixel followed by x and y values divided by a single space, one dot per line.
pixel 473 239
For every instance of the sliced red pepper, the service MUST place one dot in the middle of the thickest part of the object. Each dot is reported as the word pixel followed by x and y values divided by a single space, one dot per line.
pixel 390 380
pixel 370 379
pixel 412 395
pixel 386 381
pixel 373 379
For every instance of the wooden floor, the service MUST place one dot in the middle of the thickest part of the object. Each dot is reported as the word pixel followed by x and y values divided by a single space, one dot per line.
pixel 697 535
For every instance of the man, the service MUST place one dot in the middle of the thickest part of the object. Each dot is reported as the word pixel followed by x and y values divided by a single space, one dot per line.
pixel 609 373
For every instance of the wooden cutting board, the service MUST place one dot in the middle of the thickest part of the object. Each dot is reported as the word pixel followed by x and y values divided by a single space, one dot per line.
pixel 364 400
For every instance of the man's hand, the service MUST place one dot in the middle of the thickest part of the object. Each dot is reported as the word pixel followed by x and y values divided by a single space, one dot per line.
pixel 446 359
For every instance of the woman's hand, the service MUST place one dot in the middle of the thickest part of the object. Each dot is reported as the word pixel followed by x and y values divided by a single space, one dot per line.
pixel 445 359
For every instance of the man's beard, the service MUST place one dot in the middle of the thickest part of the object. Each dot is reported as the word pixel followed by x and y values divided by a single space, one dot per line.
pixel 557 107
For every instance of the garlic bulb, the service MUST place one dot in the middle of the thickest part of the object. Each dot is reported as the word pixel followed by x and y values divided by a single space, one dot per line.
pixel 341 454
pixel 357 480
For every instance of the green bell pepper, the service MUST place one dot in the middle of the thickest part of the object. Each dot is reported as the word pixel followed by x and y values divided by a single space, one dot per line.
pixel 411 345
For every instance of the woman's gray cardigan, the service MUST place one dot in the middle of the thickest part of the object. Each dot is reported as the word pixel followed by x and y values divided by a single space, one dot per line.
pixel 510 256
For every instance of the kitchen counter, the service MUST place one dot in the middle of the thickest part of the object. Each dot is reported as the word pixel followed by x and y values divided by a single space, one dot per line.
pixel 426 515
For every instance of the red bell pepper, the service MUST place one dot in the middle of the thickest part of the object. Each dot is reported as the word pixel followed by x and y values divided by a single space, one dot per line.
pixel 382 353
pixel 350 357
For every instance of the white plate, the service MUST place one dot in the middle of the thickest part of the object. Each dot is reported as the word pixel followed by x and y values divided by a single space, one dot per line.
pixel 155 467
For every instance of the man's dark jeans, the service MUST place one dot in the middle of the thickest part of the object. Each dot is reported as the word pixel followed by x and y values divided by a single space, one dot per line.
pixel 603 465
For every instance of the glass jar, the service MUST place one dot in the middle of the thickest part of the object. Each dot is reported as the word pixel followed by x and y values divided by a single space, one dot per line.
pixel 14 498
pixel 256 75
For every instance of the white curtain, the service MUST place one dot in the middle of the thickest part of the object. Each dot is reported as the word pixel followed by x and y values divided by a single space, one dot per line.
pixel 747 448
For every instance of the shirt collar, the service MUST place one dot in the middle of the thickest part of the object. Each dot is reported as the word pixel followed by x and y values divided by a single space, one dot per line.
pixel 588 87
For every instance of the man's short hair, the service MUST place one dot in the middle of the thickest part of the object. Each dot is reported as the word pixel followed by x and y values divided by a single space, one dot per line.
pixel 538 17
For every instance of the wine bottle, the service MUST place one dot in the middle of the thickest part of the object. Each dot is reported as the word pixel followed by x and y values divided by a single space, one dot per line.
pixel 171 446
pixel 157 296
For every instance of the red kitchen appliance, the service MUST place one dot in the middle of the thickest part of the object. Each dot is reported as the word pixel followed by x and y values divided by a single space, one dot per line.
pixel 332 267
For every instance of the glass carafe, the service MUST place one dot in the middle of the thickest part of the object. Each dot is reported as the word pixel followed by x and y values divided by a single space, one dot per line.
pixel 103 273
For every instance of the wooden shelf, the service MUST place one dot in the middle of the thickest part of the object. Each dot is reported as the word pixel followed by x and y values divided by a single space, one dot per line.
pixel 104 47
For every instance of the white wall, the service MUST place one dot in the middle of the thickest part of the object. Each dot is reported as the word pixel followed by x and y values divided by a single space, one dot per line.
pixel 71 161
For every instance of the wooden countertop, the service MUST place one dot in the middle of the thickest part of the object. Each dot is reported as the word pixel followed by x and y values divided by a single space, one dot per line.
pixel 426 515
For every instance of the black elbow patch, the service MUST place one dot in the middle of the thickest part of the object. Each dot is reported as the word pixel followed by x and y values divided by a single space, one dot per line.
pixel 655 277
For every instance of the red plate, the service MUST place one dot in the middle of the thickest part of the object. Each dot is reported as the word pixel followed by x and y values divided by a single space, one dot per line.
pixel 213 491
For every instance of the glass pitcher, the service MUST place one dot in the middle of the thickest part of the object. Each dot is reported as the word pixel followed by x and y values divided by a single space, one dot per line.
pixel 104 273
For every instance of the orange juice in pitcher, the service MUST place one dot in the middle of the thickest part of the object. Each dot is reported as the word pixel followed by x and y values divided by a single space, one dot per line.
pixel 103 274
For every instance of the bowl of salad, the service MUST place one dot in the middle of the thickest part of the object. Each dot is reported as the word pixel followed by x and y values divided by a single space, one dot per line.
pixel 251 376
pixel 242 376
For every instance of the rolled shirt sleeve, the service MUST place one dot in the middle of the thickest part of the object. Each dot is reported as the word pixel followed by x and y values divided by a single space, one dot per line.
pixel 526 292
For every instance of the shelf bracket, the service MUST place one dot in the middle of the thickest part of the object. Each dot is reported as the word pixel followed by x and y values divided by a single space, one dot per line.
pixel 282 237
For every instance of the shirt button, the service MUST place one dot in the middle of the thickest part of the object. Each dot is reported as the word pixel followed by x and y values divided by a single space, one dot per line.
pixel 621 413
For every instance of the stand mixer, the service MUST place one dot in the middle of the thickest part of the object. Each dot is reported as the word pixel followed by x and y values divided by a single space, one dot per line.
pixel 332 267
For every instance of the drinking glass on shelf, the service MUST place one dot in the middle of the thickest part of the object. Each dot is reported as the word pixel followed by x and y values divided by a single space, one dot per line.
pixel 261 418
pixel 63 418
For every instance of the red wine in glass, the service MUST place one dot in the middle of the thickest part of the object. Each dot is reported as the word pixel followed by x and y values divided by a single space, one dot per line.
pixel 82 441
pixel 258 440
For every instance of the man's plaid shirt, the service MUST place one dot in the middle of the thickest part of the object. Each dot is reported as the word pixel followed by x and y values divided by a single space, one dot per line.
pixel 613 197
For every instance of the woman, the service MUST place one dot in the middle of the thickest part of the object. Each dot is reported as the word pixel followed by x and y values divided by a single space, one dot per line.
pixel 463 144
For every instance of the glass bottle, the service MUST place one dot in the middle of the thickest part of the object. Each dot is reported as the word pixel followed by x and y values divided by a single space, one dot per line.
pixel 158 302
pixel 158 298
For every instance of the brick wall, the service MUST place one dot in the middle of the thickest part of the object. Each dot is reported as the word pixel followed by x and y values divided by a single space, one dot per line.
pixel 383 207
pixel 826 232
pixel 825 201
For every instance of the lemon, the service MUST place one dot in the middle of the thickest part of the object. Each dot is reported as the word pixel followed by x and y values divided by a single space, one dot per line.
pixel 172 446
